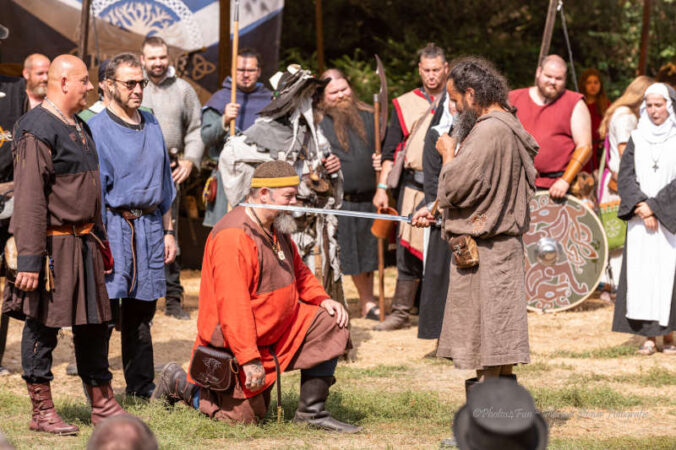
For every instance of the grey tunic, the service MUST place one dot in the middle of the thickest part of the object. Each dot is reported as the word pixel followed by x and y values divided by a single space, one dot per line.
pixel 484 192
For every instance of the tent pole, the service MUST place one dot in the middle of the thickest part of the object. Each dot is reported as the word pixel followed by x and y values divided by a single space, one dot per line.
pixel 319 25
pixel 645 31
pixel 84 30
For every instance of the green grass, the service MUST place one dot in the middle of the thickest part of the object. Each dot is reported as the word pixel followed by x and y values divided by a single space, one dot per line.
pixel 600 397
pixel 541 366
pixel 380 371
pixel 618 443
pixel 654 377
pixel 618 351
pixel 182 427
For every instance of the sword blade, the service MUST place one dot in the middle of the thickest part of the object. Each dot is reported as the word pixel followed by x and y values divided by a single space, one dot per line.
pixel 335 212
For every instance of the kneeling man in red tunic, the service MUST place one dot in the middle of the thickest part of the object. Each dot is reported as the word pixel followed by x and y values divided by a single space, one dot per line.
pixel 259 301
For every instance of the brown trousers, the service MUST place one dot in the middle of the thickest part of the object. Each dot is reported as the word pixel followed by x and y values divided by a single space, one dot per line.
pixel 324 341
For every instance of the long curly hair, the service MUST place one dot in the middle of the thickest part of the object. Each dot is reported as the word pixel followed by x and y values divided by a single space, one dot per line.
pixel 490 86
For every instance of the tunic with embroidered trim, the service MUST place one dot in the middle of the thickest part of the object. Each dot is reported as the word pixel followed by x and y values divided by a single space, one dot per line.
pixel 135 173
pixel 260 301
pixel 56 183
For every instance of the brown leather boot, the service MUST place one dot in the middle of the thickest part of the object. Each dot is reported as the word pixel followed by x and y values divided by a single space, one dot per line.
pixel 103 401
pixel 313 394
pixel 45 417
pixel 404 297
pixel 173 386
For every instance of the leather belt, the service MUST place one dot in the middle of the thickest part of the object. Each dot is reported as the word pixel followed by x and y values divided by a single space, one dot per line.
pixel 359 197
pixel 414 179
pixel 551 174
pixel 129 215
pixel 133 213
pixel 70 230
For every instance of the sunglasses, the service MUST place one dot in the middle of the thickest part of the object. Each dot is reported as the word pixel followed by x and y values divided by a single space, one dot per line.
pixel 131 84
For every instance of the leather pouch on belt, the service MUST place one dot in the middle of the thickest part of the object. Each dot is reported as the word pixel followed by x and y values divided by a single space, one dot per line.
pixel 210 190
pixel 214 369
pixel 465 251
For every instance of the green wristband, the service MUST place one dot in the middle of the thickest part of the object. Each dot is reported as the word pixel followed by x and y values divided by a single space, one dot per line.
pixel 381 186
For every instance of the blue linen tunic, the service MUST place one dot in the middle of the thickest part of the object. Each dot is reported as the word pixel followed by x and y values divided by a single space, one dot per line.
pixel 135 173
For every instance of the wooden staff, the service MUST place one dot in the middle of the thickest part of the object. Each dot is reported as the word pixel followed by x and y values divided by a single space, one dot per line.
pixel 381 242
pixel 235 45
pixel 319 25
pixel 549 29
pixel 84 29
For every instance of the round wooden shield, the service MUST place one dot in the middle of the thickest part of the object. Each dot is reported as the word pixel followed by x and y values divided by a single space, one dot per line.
pixel 566 253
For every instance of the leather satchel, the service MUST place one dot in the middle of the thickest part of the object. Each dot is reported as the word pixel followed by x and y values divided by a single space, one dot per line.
pixel 214 369
pixel 465 251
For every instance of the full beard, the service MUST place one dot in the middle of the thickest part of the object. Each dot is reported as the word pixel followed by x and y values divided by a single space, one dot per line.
pixel 345 115
pixel 285 223
pixel 549 92
pixel 464 122
pixel 38 90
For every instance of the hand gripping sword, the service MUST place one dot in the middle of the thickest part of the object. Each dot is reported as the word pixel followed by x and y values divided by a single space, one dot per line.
pixel 335 212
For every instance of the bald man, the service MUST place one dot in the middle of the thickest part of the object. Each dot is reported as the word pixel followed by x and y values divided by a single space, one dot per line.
pixel 559 121
pixel 35 72
pixel 61 245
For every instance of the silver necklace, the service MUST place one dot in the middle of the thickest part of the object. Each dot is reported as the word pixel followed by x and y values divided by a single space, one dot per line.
pixel 63 116
pixel 655 161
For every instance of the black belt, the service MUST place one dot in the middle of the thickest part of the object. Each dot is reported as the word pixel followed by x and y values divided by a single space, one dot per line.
pixel 414 179
pixel 550 174
pixel 359 197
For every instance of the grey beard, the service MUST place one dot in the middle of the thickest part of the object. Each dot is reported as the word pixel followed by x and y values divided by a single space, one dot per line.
pixel 463 124
pixel 285 223
pixel 39 90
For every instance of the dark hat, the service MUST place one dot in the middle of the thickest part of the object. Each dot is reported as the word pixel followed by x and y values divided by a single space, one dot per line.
pixel 102 69
pixel 499 414
pixel 291 87
pixel 4 32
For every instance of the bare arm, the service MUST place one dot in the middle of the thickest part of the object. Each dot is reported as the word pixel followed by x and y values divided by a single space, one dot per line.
pixel 380 200
pixel 621 147
pixel 169 239
pixel 580 125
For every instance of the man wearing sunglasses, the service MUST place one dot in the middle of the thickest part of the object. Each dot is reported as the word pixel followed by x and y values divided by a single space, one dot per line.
pixel 137 191
pixel 177 108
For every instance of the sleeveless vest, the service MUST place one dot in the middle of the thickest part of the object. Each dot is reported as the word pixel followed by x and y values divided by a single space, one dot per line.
pixel 550 126
pixel 415 115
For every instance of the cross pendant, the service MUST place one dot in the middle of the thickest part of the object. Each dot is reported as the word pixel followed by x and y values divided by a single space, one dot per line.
pixel 655 167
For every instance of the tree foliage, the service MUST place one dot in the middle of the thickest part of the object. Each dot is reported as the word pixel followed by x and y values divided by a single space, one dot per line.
pixel 604 34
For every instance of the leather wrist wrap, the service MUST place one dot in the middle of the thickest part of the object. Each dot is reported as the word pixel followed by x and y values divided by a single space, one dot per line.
pixel 577 161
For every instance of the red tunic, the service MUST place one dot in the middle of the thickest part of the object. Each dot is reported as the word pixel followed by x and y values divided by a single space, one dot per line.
pixel 259 301
pixel 596 119
pixel 550 126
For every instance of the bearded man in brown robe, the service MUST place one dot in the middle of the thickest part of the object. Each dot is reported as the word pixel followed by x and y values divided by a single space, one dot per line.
pixel 484 189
